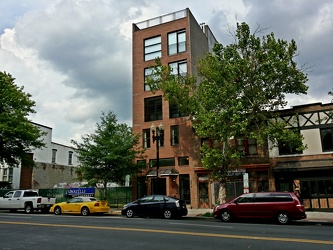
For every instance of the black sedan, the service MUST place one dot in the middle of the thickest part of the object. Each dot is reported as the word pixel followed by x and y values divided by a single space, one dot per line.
pixel 156 206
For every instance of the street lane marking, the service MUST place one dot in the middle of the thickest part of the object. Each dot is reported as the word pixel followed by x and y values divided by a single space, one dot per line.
pixel 199 225
pixel 247 237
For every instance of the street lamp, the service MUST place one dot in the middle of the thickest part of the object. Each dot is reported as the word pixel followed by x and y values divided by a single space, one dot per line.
pixel 157 136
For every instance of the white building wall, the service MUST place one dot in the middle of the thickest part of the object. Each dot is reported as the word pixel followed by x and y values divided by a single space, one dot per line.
pixel 44 156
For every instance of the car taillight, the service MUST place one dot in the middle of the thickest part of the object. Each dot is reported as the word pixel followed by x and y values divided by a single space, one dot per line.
pixel 96 205
pixel 39 200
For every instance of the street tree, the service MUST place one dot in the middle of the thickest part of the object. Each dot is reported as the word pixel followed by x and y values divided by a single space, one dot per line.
pixel 107 155
pixel 237 89
pixel 18 136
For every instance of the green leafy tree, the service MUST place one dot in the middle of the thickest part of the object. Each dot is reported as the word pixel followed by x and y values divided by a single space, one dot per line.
pixel 238 88
pixel 108 154
pixel 18 136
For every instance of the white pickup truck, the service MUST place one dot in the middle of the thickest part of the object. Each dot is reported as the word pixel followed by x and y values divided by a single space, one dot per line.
pixel 28 200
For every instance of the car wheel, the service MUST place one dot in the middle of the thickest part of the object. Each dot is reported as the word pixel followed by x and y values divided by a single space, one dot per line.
pixel 282 218
pixel 85 211
pixel 57 210
pixel 167 214
pixel 28 209
pixel 225 216
pixel 129 213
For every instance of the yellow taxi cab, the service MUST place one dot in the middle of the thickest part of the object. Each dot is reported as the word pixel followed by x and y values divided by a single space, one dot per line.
pixel 83 205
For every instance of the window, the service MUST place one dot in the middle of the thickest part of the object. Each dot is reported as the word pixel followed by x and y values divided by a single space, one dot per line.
pixel 153 109
pixel 282 198
pixel 177 42
pixel 174 112
pixel 246 145
pixel 178 68
pixel 326 135
pixel 7 175
pixel 262 197
pixel 245 198
pixel 146 138
pixel 54 155
pixel 164 162
pixel 17 194
pixel 152 48
pixel 70 158
pixel 286 148
pixel 149 74
pixel 174 135
pixel 141 164
pixel 183 161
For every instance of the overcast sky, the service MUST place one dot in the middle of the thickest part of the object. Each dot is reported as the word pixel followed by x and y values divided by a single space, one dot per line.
pixel 74 56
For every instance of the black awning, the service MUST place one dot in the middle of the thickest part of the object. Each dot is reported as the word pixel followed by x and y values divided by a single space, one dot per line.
pixel 304 165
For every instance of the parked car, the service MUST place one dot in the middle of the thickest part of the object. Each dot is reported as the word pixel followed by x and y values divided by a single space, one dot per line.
pixel 27 200
pixel 156 206
pixel 282 206
pixel 81 205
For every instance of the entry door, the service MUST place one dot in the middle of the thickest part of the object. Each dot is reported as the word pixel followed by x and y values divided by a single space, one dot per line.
pixel 203 195
pixel 159 186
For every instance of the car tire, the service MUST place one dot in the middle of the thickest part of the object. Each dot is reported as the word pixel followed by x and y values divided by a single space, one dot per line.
pixel 57 210
pixel 85 211
pixel 28 209
pixel 282 217
pixel 167 214
pixel 129 213
pixel 226 216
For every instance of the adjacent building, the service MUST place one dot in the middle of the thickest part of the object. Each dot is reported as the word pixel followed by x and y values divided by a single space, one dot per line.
pixel 55 164
pixel 310 170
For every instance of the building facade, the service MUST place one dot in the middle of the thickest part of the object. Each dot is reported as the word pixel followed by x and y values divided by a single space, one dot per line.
pixel 310 170
pixel 55 163
pixel 179 41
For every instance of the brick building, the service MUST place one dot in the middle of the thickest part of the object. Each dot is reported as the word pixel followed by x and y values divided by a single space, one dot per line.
pixel 179 41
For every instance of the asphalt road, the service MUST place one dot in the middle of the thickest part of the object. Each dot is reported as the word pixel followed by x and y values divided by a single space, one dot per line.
pixel 48 231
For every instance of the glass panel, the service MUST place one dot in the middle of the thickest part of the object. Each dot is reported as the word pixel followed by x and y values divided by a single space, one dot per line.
pixel 154 48
pixel 327 139
pixel 152 56
pixel 152 41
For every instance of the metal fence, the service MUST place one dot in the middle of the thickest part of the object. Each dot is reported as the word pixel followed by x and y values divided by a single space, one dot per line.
pixel 116 196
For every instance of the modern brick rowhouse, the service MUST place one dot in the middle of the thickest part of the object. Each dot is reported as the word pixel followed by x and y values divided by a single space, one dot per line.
pixel 179 41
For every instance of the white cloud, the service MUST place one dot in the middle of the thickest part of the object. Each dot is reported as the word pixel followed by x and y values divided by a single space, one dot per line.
pixel 74 56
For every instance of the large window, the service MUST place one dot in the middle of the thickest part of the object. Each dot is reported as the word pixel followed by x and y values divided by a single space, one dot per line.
pixel 153 109
pixel 174 135
pixel 146 138
pixel 153 48
pixel 176 42
pixel 326 135
pixel 178 68
pixel 149 74
pixel 246 145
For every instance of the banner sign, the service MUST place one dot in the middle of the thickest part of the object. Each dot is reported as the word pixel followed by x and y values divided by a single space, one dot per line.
pixel 81 191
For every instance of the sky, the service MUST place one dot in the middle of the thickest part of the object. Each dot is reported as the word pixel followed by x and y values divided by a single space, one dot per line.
pixel 75 56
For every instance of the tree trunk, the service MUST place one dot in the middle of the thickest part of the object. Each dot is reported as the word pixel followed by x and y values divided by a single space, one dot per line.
pixel 222 193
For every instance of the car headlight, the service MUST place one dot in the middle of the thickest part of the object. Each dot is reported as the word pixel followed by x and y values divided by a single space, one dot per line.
pixel 125 206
